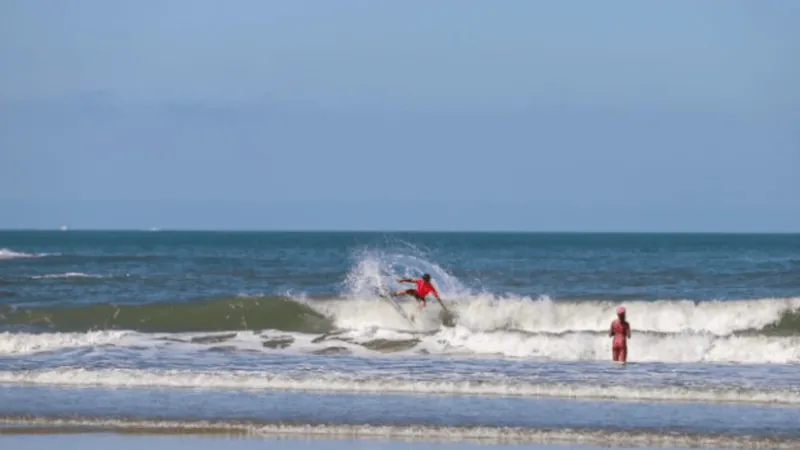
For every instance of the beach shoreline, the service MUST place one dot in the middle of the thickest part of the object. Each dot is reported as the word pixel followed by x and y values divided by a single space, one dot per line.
pixel 26 427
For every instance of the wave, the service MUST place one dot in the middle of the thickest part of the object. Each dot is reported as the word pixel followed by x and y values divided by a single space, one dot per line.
pixel 6 253
pixel 676 348
pixel 749 330
pixel 411 433
pixel 28 343
pixel 67 275
pixel 336 382
pixel 229 314
pixel 489 313
pixel 457 341
pixel 480 314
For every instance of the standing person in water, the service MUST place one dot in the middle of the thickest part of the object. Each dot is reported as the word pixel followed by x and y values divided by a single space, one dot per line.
pixel 423 288
pixel 620 332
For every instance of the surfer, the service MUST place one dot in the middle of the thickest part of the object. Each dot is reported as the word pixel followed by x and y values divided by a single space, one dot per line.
pixel 423 288
pixel 620 332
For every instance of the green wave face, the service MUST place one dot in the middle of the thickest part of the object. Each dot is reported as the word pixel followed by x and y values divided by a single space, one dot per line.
pixel 230 314
pixel 789 324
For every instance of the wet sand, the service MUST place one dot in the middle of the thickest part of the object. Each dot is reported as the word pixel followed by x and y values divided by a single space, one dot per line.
pixel 49 438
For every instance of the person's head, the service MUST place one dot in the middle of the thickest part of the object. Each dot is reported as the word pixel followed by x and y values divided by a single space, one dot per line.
pixel 426 277
pixel 621 312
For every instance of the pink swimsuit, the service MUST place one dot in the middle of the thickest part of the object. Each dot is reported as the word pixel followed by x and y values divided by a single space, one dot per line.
pixel 619 346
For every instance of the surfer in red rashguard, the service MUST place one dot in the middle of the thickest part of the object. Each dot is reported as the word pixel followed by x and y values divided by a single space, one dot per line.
pixel 423 288
pixel 620 332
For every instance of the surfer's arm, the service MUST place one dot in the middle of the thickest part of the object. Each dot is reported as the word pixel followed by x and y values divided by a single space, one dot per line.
pixel 439 299
pixel 405 280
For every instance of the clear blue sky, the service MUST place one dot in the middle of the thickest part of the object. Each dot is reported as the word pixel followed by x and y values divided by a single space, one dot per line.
pixel 448 115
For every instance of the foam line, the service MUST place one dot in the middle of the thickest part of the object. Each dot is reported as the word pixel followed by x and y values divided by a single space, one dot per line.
pixel 258 380
pixel 418 433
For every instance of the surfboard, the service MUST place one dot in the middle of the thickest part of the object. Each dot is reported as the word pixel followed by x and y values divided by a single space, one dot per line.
pixel 394 304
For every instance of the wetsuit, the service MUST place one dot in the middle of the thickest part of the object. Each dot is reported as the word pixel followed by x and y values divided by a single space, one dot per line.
pixel 422 290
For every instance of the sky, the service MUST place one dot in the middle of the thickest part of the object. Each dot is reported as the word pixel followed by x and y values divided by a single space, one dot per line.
pixel 415 115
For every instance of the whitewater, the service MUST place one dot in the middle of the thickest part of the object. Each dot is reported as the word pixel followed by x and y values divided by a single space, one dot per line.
pixel 668 331
pixel 681 347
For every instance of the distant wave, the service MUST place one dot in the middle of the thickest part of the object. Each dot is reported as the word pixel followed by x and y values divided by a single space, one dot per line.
pixel 67 275
pixel 6 253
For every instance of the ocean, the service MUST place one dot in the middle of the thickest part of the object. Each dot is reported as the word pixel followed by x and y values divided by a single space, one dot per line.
pixel 281 334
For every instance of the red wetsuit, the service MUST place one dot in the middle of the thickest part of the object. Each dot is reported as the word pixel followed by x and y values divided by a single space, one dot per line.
pixel 619 346
pixel 423 289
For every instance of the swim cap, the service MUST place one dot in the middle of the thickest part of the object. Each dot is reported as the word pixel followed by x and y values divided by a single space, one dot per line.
pixel 621 310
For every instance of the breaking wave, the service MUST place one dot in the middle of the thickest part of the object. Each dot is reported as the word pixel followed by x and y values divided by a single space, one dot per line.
pixel 479 314
pixel 685 347
pixel 6 253
pixel 67 275
pixel 748 330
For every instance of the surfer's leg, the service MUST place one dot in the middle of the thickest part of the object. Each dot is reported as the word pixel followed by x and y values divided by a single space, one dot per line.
pixel 403 292
pixel 420 302
pixel 615 353
pixel 623 354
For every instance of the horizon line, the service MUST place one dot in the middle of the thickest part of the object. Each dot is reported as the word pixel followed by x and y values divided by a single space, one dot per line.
pixel 420 231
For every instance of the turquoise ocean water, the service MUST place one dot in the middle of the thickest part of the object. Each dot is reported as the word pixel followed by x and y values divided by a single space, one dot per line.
pixel 283 333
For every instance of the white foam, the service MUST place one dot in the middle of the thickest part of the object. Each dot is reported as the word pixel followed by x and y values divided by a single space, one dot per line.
pixel 583 346
pixel 370 313
pixel 19 344
pixel 483 313
pixel 486 313
pixel 30 343
pixel 67 275
pixel 376 270
pixel 590 346
pixel 340 382
pixel 461 341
